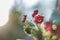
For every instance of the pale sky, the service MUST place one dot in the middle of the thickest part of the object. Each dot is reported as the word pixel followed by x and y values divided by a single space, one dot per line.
pixel 45 6
pixel 5 5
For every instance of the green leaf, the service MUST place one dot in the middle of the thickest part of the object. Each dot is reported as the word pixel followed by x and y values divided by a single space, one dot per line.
pixel 37 34
pixel 27 29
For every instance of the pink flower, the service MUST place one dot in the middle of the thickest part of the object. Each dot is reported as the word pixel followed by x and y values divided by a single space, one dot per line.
pixel 24 19
pixel 38 19
pixel 48 26
pixel 58 7
pixel 35 13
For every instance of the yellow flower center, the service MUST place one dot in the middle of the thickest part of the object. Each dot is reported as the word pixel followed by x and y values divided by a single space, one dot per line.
pixel 39 20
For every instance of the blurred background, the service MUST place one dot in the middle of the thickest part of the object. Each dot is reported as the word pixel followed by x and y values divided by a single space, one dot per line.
pixel 11 12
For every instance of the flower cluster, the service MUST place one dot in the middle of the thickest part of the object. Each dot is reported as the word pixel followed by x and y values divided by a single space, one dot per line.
pixel 37 19
pixel 34 27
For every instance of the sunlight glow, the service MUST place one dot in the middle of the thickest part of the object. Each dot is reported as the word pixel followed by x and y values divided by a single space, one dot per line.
pixel 5 6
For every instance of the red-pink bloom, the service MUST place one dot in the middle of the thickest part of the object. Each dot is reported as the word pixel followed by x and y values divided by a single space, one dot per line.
pixel 48 26
pixel 24 19
pixel 58 7
pixel 35 13
pixel 38 19
pixel 49 29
